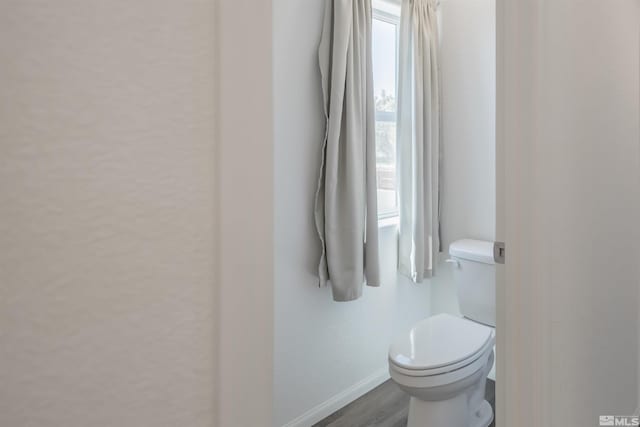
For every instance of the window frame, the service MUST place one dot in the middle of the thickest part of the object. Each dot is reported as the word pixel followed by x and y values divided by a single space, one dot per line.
pixel 383 116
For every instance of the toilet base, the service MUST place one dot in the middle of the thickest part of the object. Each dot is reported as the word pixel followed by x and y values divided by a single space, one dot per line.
pixel 453 412
pixel 484 415
pixel 460 404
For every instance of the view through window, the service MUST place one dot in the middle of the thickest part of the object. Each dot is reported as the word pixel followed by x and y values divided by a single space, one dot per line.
pixel 385 42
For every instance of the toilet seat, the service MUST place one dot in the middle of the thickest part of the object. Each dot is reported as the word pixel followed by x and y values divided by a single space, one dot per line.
pixel 469 347
pixel 440 350
pixel 443 379
pixel 438 344
pixel 447 368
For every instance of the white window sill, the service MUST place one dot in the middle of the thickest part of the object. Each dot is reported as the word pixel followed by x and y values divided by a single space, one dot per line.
pixel 388 221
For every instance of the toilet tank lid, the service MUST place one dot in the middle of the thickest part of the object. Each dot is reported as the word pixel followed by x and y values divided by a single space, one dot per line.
pixel 473 250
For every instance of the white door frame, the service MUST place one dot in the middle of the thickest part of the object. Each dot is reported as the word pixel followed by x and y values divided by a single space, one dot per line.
pixel 524 289
pixel 244 153
pixel 521 341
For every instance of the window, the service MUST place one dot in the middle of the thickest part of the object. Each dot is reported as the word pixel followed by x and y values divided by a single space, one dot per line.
pixel 385 66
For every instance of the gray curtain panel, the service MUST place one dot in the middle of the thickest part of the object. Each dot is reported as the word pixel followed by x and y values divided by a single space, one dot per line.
pixel 418 139
pixel 346 205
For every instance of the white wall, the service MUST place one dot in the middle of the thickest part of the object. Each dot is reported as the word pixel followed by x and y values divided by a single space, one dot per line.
pixel 321 347
pixel 106 213
pixel 468 69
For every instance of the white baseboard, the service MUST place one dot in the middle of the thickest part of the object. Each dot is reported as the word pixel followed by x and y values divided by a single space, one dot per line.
pixel 323 410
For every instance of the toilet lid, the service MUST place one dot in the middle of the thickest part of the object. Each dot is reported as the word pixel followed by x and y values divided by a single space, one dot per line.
pixel 439 341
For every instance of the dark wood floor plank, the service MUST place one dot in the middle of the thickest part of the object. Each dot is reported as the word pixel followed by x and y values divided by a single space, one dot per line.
pixel 384 406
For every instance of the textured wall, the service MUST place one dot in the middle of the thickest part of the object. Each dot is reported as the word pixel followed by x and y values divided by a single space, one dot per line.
pixel 106 213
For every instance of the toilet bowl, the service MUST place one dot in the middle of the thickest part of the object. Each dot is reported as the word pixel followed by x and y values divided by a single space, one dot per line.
pixel 442 364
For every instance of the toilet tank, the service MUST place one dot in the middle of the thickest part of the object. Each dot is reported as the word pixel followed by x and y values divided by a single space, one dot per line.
pixel 474 273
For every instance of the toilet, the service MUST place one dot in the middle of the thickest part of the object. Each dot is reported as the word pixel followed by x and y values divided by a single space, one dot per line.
pixel 444 360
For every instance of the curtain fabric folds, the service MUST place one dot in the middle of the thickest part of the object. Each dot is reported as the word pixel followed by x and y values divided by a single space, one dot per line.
pixel 418 140
pixel 345 205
